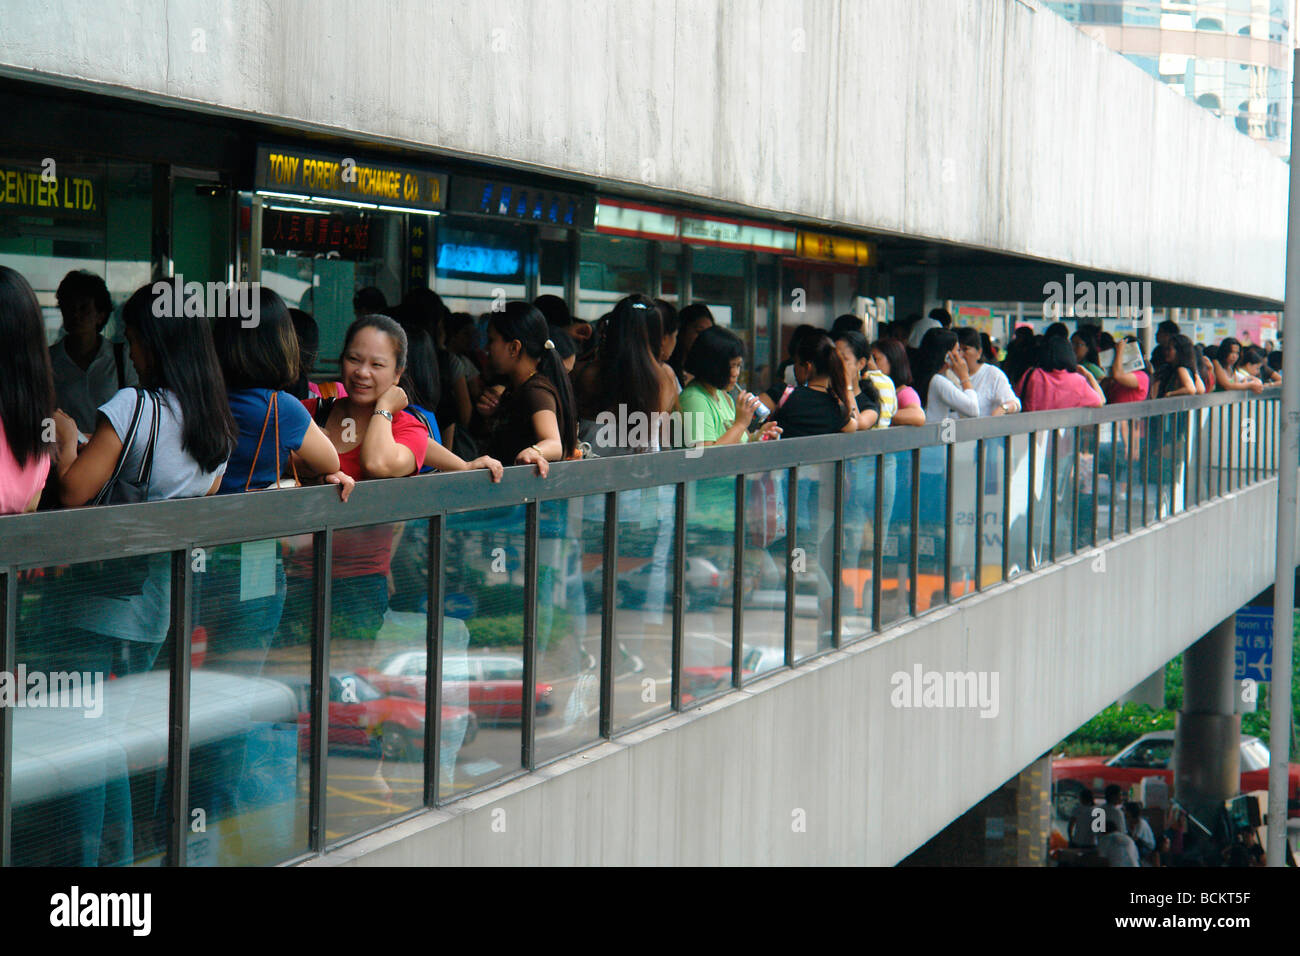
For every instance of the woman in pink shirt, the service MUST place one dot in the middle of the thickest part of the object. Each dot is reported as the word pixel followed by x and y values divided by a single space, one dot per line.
pixel 1058 381
pixel 889 356
pixel 26 397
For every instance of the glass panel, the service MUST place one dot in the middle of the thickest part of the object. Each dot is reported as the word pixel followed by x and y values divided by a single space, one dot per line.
pixel 1042 480
pixel 376 712
pixel 896 537
pixel 610 268
pixel 859 545
pixel 1149 470
pixel 813 561
pixel 1107 467
pixel 571 537
pixel 201 227
pixel 990 519
pixel 967 500
pixel 553 266
pixel 707 627
pixel 718 280
pixel 1065 476
pixel 90 755
pixel 252 671
pixel 931 534
pixel 643 602
pixel 1177 462
pixel 482 652
pixel 1019 519
pixel 767 559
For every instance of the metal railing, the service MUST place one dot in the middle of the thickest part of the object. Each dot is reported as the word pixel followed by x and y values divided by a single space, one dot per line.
pixel 1155 458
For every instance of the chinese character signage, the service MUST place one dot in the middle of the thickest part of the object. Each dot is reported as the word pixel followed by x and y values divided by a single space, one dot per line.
pixel 348 235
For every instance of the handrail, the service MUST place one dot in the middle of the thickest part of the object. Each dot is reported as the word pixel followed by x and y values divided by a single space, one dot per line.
pixel 67 537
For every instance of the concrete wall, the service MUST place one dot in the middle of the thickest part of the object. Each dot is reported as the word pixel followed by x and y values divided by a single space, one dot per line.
pixel 726 783
pixel 991 123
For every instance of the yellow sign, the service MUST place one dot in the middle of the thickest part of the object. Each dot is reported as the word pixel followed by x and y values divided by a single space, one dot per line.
pixel 35 190
pixel 828 248
pixel 344 177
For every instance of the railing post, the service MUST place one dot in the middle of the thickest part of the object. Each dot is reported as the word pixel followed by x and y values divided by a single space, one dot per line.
pixel 607 591
pixel 791 542
pixel 1006 507
pixel 738 586
pixel 679 586
pixel 1032 497
pixel 528 695
pixel 878 545
pixel 178 708
pixel 433 670
pixel 322 566
pixel 913 567
pixel 837 559
pixel 979 514
pixel 8 639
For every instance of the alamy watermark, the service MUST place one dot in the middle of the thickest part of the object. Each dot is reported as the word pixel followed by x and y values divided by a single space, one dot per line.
pixel 1096 300
pixel 175 298
pixel 636 429
pixel 946 690
pixel 40 689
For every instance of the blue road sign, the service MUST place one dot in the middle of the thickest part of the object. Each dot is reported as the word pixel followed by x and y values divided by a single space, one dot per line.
pixel 1254 654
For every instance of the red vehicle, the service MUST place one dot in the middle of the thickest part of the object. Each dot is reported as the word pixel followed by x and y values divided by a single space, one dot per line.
pixel 1151 755
pixel 363 717
pixel 490 684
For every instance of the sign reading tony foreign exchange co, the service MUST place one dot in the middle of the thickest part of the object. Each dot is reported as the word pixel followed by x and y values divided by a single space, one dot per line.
pixel 306 173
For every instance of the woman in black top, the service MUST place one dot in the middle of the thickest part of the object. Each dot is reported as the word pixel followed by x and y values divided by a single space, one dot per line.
pixel 821 404
pixel 855 351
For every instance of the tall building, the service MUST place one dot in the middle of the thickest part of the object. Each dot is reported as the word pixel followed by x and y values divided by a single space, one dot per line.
pixel 1231 56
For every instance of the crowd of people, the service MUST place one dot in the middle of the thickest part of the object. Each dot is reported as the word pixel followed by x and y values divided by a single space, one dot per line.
pixel 189 406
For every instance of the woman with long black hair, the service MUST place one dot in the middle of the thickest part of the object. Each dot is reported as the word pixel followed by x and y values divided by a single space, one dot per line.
pixel 1178 375
pixel 821 404
pixel 940 353
pixel 626 380
pixel 26 396
pixel 534 421
pixel 691 321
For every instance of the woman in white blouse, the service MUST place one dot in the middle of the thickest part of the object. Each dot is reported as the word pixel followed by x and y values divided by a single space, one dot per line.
pixel 940 353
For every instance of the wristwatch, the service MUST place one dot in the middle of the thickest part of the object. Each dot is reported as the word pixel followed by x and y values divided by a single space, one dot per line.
pixel 386 414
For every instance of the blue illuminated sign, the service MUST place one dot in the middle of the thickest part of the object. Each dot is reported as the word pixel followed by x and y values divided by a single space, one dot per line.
pixel 480 260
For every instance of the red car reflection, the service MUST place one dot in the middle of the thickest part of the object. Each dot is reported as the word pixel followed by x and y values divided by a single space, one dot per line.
pixel 363 717
pixel 492 683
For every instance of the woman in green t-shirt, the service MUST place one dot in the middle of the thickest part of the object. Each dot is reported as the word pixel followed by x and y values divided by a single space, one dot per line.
pixel 709 416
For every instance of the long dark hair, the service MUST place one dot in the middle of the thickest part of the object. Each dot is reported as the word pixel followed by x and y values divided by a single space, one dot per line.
pixel 1087 334
pixel 861 349
pixel 1056 354
pixel 685 319
pixel 181 358
pixel 818 350
pixel 27 397
pixel 524 323
pixel 935 346
pixel 421 381
pixel 900 370
pixel 628 357
pixel 261 355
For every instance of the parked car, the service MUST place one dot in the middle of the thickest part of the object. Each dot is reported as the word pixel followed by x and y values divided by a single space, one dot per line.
pixel 493 682
pixel 364 717
pixel 1151 755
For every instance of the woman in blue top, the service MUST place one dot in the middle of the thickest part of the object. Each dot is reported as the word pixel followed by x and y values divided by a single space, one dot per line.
pixel 259 362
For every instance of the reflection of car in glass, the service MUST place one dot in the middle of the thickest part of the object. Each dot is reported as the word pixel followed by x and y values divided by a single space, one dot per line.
pixel 1151 755
pixel 709 671
pixel 704 584
pixel 362 716
pixel 493 682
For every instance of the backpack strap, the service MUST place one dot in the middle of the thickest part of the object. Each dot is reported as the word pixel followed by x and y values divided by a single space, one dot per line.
pixel 146 465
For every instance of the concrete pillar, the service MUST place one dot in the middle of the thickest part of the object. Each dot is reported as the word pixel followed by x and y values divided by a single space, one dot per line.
pixel 1207 755
pixel 1150 692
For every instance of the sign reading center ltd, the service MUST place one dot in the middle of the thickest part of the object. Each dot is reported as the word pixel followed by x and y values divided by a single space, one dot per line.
pixel 299 172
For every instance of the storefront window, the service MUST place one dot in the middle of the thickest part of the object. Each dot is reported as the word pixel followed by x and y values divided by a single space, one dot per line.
pixel 609 270
pixel 479 263
pixel 553 269
pixel 718 280
pixel 82 214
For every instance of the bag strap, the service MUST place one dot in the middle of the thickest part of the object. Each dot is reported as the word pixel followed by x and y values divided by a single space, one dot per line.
pixel 789 390
pixel 252 466
pixel 146 466
pixel 126 445
pixel 275 400
pixel 420 417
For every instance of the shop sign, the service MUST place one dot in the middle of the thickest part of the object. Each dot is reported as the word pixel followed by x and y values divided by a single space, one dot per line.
pixel 828 248
pixel 634 219
pixel 735 234
pixel 41 191
pixel 297 172
pixel 315 233
pixel 522 202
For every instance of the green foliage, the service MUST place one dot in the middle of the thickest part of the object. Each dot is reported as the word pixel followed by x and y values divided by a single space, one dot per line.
pixel 507 630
